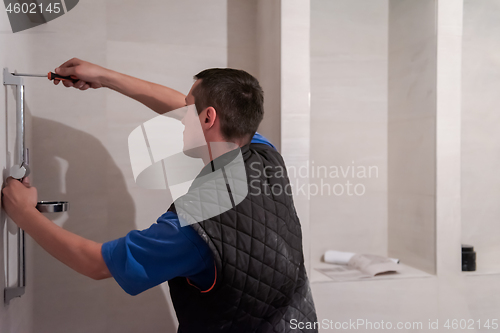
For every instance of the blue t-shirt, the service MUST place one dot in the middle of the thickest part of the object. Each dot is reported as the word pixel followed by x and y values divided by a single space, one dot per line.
pixel 146 258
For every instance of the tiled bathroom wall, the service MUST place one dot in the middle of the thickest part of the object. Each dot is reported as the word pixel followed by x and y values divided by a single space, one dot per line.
pixel 412 132
pixel 69 160
pixel 480 144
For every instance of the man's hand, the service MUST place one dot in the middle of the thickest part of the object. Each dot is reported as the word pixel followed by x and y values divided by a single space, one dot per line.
pixel 18 198
pixel 89 75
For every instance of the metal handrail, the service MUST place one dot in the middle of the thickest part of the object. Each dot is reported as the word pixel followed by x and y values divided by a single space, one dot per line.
pixel 20 170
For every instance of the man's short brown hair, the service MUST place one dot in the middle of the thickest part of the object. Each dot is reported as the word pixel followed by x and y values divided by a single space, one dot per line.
pixel 236 96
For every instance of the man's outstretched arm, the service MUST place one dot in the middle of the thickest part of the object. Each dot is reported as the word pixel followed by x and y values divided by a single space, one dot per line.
pixel 80 254
pixel 159 98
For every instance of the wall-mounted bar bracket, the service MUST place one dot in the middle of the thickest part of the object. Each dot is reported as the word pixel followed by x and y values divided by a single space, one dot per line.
pixel 19 171
pixel 11 79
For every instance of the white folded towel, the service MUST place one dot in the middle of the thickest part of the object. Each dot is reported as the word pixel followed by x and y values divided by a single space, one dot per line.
pixel 338 257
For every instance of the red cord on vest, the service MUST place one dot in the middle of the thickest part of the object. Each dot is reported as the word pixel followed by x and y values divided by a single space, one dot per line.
pixel 213 285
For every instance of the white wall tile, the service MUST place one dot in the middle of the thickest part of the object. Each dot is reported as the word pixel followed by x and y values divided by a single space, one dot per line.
pixel 349 123
pixel 480 144
pixel 412 132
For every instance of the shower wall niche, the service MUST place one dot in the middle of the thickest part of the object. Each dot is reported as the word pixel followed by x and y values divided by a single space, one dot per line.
pixel 386 91
pixel 349 66
pixel 373 120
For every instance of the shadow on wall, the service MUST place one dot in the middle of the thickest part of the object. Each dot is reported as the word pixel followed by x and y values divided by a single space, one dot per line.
pixel 71 165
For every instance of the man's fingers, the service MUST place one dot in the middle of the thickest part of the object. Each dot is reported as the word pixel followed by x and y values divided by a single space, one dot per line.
pixel 70 63
pixel 80 84
pixel 26 181
pixel 67 83
pixel 7 183
pixel 68 68
pixel 66 71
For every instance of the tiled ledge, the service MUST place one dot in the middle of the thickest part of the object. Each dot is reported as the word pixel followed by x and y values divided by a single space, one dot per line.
pixel 480 272
pixel 406 272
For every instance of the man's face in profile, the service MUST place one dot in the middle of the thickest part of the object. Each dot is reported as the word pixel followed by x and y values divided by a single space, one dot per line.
pixel 193 137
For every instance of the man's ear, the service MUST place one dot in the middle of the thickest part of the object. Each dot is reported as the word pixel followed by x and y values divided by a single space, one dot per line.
pixel 210 117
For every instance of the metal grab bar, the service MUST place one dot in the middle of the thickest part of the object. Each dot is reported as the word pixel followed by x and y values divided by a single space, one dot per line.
pixel 18 171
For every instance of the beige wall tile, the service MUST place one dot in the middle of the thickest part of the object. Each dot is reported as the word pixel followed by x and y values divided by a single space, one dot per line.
pixel 349 124
pixel 480 144
pixel 412 132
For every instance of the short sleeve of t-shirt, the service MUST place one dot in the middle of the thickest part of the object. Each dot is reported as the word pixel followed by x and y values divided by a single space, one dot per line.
pixel 143 259
pixel 259 138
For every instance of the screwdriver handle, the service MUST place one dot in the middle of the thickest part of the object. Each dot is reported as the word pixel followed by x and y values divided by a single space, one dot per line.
pixel 52 76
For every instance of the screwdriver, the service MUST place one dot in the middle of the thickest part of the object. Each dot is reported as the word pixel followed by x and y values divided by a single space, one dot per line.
pixel 51 76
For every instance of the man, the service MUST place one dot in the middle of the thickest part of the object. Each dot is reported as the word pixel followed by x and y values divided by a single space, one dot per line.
pixel 238 271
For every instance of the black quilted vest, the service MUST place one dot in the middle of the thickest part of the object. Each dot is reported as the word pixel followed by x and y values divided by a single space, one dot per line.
pixel 261 282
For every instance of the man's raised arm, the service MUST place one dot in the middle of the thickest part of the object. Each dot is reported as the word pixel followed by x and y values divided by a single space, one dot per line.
pixel 158 98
